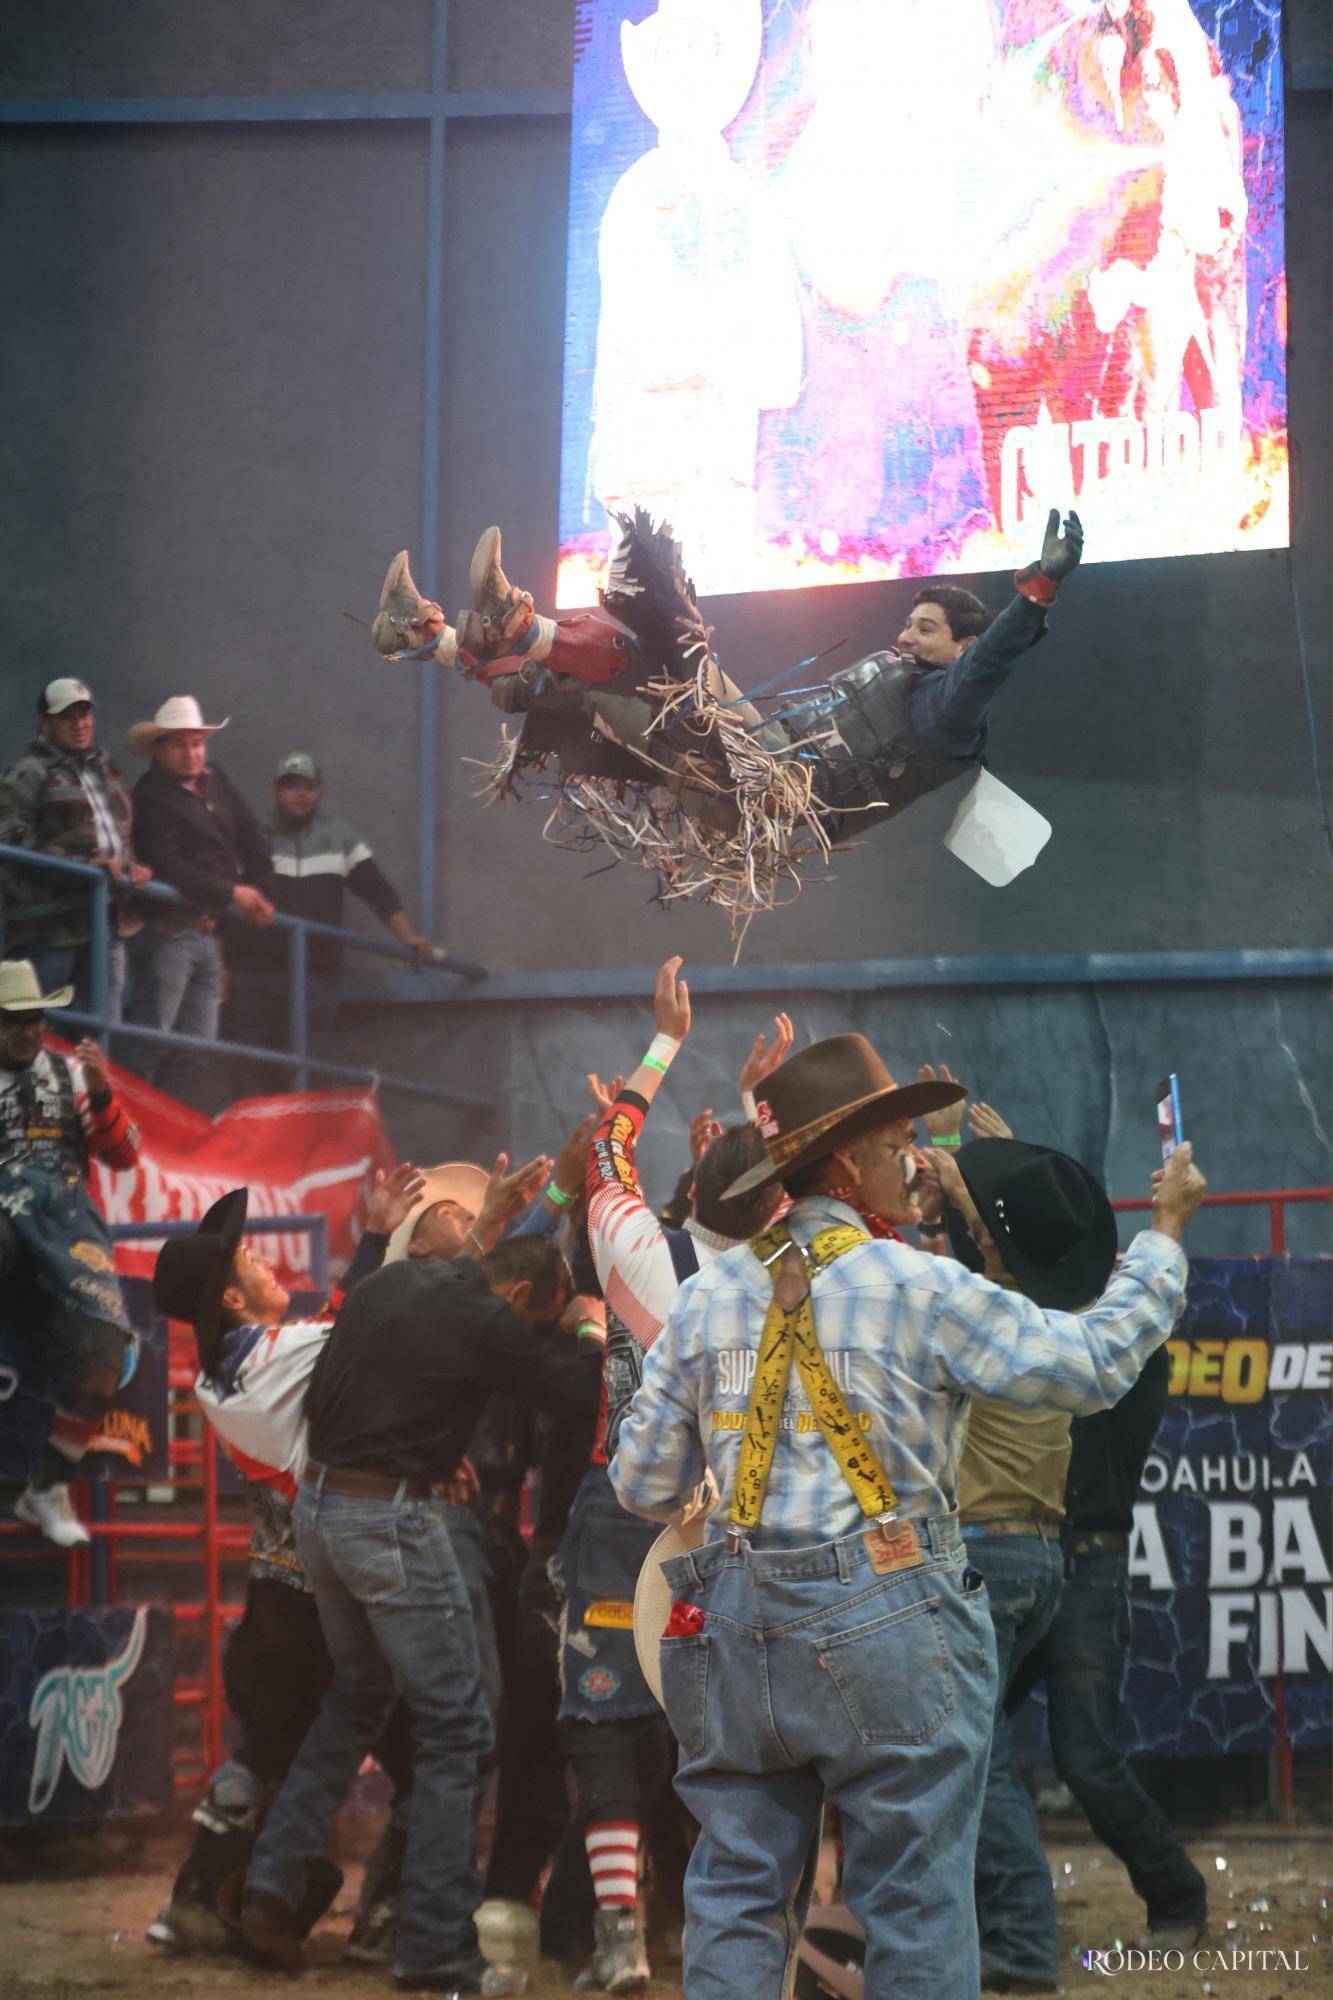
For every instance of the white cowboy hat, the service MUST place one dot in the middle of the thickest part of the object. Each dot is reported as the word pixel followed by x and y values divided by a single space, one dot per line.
pixel 654 1597
pixel 178 711
pixel 21 989
pixel 456 1180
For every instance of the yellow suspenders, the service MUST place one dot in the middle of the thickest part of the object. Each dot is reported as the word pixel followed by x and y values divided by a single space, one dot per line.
pixel 789 1330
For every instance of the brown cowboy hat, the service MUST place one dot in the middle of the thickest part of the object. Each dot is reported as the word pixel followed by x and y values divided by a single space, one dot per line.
pixel 827 1094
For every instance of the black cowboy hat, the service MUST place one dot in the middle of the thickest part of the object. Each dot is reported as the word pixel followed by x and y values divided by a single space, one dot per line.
pixel 1052 1223
pixel 826 1095
pixel 192 1273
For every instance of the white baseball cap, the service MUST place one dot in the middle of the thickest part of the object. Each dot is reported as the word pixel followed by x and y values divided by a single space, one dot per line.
pixel 57 696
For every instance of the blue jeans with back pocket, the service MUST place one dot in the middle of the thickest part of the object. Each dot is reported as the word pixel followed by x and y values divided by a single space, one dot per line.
pixel 813 1677
pixel 395 1615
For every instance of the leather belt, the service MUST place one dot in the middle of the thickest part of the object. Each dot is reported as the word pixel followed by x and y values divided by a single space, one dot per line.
pixel 356 1485
pixel 1042 1528
pixel 1095 1543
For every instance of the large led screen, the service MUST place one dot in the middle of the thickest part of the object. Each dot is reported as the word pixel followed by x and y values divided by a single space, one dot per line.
pixel 859 288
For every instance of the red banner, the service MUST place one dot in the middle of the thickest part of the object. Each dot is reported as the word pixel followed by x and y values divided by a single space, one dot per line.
pixel 310 1153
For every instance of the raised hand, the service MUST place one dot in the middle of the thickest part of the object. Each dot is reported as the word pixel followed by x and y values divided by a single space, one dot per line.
pixel 987 1123
pixel 704 1128
pixel 1178 1190
pixel 604 1095
pixel 1060 557
pixel 507 1193
pixel 572 1159
pixel 946 1124
pixel 764 1055
pixel 393 1196
pixel 93 1063
pixel 671 1001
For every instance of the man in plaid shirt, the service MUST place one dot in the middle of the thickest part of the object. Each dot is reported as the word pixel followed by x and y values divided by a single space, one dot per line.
pixel 821 1645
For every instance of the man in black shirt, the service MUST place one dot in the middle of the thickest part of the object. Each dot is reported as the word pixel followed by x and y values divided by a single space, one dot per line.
pixel 1082 1660
pixel 395 1397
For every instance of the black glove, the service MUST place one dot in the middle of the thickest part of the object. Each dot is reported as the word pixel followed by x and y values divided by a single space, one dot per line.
pixel 1060 558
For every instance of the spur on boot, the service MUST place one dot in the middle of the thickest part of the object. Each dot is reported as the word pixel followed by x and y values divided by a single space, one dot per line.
pixel 406 621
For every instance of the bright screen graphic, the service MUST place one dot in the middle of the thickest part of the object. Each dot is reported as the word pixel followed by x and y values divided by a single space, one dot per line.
pixel 858 289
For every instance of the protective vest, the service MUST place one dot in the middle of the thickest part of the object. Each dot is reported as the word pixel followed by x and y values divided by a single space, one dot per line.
pixel 39 1121
pixel 871 764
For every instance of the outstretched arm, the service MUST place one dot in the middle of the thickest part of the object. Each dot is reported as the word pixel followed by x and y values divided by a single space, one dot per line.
pixel 629 1249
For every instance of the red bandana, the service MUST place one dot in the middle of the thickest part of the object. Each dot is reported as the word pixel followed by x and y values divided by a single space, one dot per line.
pixel 882 1231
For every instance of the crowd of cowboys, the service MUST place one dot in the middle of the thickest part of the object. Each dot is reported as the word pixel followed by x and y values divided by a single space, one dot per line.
pixel 867 1565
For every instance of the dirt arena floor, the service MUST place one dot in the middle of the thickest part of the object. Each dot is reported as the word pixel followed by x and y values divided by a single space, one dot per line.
pixel 74 1909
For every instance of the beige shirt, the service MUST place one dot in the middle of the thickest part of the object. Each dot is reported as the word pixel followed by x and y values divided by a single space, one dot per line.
pixel 1014 1463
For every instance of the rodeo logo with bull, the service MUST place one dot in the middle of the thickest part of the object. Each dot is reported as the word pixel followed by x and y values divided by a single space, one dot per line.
pixel 77 1713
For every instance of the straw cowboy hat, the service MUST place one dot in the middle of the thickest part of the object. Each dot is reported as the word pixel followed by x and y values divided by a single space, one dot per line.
pixel 826 1095
pixel 654 1597
pixel 456 1181
pixel 192 1273
pixel 178 711
pixel 1051 1220
pixel 21 989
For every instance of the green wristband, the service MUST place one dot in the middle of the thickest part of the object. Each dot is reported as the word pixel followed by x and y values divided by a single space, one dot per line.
pixel 946 1139
pixel 651 1062
pixel 559 1197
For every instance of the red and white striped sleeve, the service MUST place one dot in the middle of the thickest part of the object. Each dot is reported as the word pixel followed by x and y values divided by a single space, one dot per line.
pixel 106 1127
pixel 629 1249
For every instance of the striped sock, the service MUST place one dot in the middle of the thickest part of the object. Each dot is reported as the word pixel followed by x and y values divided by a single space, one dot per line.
pixel 613 1857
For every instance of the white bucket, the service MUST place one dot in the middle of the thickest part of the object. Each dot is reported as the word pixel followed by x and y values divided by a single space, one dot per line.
pixel 995 833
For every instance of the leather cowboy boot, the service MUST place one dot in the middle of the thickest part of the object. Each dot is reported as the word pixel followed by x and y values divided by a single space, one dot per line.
pixel 505 611
pixel 406 621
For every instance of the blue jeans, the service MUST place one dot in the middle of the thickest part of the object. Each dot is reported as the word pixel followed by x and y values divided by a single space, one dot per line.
pixel 395 1616
pixel 71 965
pixel 1016 1918
pixel 177 985
pixel 815 1677
pixel 1083 1661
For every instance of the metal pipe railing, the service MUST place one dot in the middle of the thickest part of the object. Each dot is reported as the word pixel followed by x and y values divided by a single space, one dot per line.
pixel 300 929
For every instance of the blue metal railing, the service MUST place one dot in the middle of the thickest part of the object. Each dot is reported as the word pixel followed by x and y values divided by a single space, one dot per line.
pixel 297 1058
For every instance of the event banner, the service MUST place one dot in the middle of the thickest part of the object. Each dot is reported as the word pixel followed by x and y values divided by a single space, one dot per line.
pixel 859 290
pixel 1230 1565
pixel 86 1715
pixel 313 1152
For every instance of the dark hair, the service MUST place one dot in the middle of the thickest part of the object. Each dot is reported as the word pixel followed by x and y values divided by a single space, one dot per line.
pixel 808 1179
pixel 732 1154
pixel 535 1261
pixel 965 615
pixel 677 1205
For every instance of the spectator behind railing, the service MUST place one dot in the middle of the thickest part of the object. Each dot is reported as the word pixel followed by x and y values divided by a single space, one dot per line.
pixel 65 796
pixel 192 827
pixel 317 857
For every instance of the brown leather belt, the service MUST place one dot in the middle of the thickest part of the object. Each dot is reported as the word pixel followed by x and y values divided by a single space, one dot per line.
pixel 1043 1528
pixel 356 1485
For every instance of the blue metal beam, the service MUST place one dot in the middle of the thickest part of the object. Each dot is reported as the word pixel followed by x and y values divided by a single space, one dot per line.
pixel 872 975
pixel 428 709
pixel 368 105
